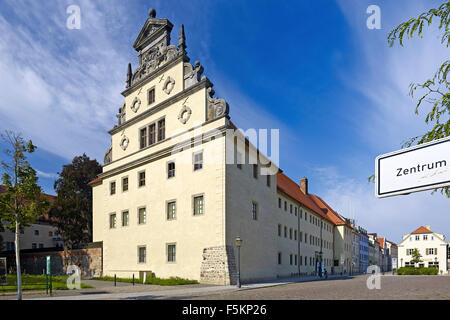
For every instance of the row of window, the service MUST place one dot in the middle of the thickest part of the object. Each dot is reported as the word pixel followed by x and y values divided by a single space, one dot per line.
pixel 428 251
pixel 171 253
pixel 424 237
pixel 36 232
pixel 152 133
pixel 141 181
pixel 312 219
pixel 313 240
pixel 9 246
pixel 171 212
pixel 293 260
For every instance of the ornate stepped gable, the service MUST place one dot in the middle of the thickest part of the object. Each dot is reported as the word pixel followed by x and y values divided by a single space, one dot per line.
pixel 155 51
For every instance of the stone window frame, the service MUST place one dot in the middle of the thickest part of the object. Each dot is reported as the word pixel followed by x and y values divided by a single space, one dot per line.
pixel 110 188
pixel 121 215
pixel 139 254
pixel 145 216
pixel 146 140
pixel 255 215
pixel 148 95
pixel 195 153
pixel 115 220
pixel 167 252
pixel 167 209
pixel 167 169
pixel 128 183
pixel 147 127
pixel 139 179
pixel 193 204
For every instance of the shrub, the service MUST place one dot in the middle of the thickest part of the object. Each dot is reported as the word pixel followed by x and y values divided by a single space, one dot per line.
pixel 417 271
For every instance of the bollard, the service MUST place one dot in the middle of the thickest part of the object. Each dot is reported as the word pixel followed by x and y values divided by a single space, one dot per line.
pixel 114 280
pixel 133 279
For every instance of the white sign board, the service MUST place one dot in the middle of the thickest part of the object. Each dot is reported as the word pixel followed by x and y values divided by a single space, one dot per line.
pixel 418 168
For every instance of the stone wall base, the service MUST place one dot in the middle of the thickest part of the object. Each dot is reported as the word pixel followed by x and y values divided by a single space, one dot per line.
pixel 218 266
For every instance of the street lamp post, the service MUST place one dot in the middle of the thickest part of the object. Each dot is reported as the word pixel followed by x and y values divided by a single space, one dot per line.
pixel 238 243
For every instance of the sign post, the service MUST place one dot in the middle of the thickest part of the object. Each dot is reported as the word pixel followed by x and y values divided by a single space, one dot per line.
pixel 418 168
pixel 48 275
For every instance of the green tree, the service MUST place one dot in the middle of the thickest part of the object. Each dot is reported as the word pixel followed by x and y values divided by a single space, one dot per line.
pixel 21 202
pixel 2 245
pixel 434 91
pixel 72 211
pixel 416 256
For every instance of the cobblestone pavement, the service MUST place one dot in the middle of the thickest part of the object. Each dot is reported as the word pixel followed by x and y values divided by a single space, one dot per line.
pixel 392 288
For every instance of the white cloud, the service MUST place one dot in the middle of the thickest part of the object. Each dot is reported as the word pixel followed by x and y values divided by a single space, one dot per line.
pixel 47 175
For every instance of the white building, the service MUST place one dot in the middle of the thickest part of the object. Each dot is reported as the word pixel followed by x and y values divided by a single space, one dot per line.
pixel 431 245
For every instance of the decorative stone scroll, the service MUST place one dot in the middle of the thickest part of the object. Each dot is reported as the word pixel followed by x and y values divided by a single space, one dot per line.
pixel 169 84
pixel 136 104
pixel 192 74
pixel 124 142
pixel 185 114
pixel 216 107
pixel 108 156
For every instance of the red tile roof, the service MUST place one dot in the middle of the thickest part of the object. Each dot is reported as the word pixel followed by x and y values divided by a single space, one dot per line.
pixel 421 229
pixel 289 187
pixel 330 214
pixel 381 242
pixel 96 180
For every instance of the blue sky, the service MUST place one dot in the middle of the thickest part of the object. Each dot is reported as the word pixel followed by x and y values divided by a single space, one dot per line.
pixel 312 69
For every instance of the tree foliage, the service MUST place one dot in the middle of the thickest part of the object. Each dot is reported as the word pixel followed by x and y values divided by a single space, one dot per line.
pixel 21 201
pixel 72 211
pixel 435 91
pixel 416 256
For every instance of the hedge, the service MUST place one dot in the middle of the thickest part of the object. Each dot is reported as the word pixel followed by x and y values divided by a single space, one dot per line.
pixel 417 271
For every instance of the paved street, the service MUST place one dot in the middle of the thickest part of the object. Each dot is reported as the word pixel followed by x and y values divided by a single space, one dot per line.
pixel 346 288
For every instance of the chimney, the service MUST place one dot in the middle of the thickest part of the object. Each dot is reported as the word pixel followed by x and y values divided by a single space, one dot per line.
pixel 428 227
pixel 304 185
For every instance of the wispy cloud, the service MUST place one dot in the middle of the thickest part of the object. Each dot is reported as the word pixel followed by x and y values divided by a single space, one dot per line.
pixel 47 175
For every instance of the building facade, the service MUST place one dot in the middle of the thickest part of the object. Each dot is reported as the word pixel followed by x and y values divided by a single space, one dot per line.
pixel 431 246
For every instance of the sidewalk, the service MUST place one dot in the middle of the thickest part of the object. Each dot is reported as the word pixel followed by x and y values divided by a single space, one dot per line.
pixel 174 292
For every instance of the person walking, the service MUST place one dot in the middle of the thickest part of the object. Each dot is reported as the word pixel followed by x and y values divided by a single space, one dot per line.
pixel 326 274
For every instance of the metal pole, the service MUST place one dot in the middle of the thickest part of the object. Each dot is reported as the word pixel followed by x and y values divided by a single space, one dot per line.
pixel 114 280
pixel 46 283
pixel 239 268
pixel 133 279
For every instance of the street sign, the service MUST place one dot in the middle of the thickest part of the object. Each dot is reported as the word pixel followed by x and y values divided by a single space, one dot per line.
pixel 48 263
pixel 394 263
pixel 3 271
pixel 418 168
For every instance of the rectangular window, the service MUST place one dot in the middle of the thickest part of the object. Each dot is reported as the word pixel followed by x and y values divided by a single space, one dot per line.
pixel 112 188
pixel 239 160
pixel 295 211
pixel 142 254
pixel 285 231
pixel 417 238
pixel 296 259
pixel 425 237
pixel 125 218
pixel 161 129
pixel 255 171
pixel 151 96
pixel 142 216
pixel 290 208
pixel 33 246
pixel 171 253
pixel 198 161
pixel 254 211
pixel 143 138
pixel 151 134
pixel 285 206
pixel 171 210
pixel 306 238
pixel 112 221
pixel 268 181
pixel 279 203
pixel 171 170
pixel 279 230
pixel 279 258
pixel 142 179
pixel 124 184
pixel 41 245
pixel 290 259
pixel 36 232
pixel 198 206
pixel 290 233
pixel 295 234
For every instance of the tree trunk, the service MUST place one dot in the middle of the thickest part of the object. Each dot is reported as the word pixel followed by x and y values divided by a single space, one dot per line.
pixel 19 276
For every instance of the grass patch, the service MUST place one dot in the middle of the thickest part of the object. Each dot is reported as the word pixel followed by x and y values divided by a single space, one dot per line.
pixel 172 281
pixel 36 282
